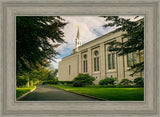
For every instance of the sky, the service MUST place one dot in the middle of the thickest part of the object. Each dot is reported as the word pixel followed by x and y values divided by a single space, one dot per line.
pixel 90 28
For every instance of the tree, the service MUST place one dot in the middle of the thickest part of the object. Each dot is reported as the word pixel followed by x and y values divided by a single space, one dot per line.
pixel 52 73
pixel 133 31
pixel 41 74
pixel 36 40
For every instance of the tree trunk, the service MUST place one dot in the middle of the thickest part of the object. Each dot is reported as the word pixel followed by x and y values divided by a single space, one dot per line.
pixel 27 84
pixel 31 82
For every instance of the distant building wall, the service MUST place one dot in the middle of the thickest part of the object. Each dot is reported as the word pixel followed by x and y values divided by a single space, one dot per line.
pixel 68 68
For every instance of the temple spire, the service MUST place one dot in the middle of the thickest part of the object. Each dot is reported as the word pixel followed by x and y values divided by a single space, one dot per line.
pixel 78 32
pixel 77 41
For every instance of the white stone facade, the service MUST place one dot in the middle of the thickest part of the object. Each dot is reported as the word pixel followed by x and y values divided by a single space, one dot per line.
pixel 95 59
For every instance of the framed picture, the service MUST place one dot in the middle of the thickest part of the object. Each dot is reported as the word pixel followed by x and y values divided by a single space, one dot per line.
pixel 87 55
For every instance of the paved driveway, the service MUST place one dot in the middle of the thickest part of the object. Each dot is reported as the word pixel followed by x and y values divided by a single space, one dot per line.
pixel 49 93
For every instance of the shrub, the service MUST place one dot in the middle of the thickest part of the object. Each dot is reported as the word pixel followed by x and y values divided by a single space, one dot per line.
pixel 107 81
pixel 139 82
pixel 21 81
pixel 82 80
pixel 126 82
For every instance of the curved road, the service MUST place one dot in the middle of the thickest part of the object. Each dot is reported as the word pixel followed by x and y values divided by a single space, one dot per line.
pixel 49 93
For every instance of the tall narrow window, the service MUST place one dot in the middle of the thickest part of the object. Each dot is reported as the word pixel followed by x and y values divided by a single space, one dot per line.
pixel 134 58
pixel 97 63
pixel 95 66
pixel 85 69
pixel 113 60
pixel 69 69
pixel 84 66
pixel 96 60
pixel 129 60
pixel 109 61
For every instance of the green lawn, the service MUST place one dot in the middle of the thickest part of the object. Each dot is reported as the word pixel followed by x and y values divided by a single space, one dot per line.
pixel 112 94
pixel 21 91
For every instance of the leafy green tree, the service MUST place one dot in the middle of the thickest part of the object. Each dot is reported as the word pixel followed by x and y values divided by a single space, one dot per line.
pixel 22 80
pixel 36 38
pixel 133 31
pixel 40 74
pixel 52 73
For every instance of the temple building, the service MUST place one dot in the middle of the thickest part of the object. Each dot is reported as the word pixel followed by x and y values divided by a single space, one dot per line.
pixel 95 59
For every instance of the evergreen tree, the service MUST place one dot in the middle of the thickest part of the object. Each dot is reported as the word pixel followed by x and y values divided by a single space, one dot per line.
pixel 36 40
pixel 133 31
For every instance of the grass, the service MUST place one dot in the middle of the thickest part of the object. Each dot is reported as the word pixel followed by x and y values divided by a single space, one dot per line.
pixel 111 94
pixel 21 91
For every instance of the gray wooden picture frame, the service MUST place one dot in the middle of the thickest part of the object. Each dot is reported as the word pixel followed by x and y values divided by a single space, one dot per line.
pixel 9 107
